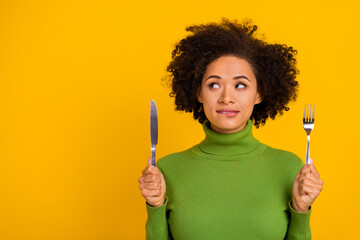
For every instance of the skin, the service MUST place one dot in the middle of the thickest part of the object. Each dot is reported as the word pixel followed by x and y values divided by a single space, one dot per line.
pixel 228 83
pixel 307 187
pixel 219 90
pixel 152 185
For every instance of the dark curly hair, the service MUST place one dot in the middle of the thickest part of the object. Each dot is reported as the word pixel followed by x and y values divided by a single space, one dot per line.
pixel 274 67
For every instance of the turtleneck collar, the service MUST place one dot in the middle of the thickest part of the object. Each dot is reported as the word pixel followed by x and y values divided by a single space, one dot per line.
pixel 231 144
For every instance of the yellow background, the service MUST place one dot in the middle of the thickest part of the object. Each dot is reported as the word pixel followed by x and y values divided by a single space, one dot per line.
pixel 76 80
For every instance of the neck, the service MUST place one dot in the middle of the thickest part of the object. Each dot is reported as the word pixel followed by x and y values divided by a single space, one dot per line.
pixel 229 144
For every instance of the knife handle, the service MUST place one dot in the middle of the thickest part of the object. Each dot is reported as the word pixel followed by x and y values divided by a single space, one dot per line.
pixel 153 156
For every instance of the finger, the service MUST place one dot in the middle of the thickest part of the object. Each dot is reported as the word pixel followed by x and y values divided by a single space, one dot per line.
pixel 152 186
pixel 309 168
pixel 306 168
pixel 150 169
pixel 146 171
pixel 149 179
pixel 140 179
pixel 313 170
pixel 309 183
pixel 150 193
pixel 311 176
pixel 297 177
pixel 306 190
pixel 152 178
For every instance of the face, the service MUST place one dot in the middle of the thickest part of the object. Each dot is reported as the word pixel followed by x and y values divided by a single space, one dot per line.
pixel 228 93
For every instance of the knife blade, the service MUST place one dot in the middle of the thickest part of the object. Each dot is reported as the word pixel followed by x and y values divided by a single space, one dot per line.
pixel 153 130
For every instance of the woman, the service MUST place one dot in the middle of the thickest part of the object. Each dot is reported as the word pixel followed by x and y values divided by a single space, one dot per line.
pixel 230 186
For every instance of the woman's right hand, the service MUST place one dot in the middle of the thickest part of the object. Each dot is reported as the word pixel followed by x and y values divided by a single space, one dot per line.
pixel 152 185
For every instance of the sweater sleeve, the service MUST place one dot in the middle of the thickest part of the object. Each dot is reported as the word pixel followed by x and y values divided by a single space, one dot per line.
pixel 157 227
pixel 299 226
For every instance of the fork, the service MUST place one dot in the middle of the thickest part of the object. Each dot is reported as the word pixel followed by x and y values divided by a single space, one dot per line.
pixel 308 123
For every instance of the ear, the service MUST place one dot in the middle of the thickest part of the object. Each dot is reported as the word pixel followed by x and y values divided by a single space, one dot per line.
pixel 198 96
pixel 258 98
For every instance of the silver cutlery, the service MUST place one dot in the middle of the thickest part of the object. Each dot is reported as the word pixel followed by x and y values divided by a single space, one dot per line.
pixel 153 130
pixel 308 123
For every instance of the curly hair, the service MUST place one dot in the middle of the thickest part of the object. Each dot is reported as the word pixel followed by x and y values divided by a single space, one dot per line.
pixel 274 66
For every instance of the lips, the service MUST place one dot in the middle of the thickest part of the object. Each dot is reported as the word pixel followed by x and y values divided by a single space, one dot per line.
pixel 228 112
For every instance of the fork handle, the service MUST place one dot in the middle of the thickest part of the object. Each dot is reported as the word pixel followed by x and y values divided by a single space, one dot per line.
pixel 308 150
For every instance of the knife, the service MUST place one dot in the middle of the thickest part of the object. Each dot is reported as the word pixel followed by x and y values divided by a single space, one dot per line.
pixel 153 130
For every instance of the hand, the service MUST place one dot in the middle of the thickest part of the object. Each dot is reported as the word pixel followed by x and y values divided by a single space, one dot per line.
pixel 307 187
pixel 152 185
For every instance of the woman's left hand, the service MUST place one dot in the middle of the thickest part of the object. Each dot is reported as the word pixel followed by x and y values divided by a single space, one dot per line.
pixel 307 187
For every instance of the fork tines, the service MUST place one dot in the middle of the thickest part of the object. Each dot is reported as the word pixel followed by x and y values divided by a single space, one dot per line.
pixel 308 116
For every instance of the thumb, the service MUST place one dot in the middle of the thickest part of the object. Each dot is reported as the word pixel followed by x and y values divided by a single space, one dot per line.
pixel 311 160
pixel 149 161
pixel 296 180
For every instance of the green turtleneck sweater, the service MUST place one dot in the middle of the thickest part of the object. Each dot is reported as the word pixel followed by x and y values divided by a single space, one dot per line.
pixel 229 186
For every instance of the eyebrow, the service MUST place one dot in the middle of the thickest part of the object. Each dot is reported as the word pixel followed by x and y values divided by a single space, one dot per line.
pixel 237 77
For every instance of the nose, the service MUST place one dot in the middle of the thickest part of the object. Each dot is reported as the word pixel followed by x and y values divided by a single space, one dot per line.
pixel 226 97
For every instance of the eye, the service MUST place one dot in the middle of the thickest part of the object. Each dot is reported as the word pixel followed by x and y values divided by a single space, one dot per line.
pixel 214 85
pixel 240 85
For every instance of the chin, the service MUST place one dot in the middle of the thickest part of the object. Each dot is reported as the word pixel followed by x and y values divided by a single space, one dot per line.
pixel 230 124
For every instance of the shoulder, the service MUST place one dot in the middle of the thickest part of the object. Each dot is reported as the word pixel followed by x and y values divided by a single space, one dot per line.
pixel 172 160
pixel 286 158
